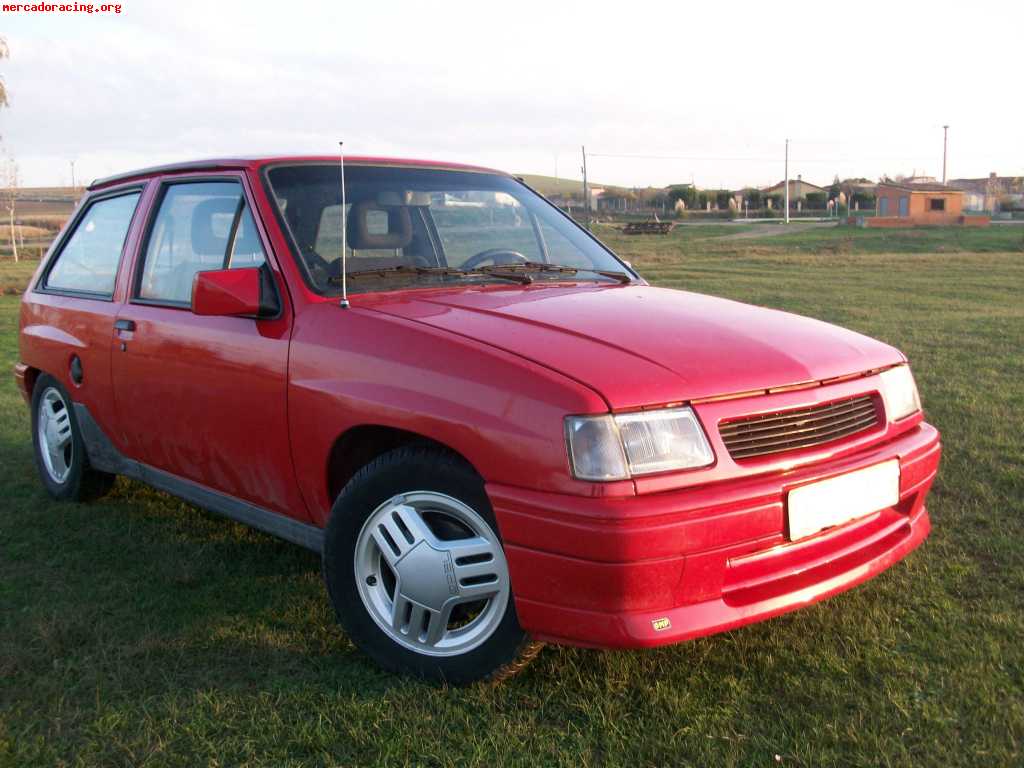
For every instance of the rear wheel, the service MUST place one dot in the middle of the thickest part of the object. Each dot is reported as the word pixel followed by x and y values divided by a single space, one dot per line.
pixel 60 456
pixel 416 571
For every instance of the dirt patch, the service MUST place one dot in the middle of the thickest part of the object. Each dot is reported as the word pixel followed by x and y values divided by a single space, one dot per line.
pixel 774 230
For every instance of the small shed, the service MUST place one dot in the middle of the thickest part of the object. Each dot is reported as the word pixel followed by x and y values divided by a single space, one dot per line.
pixel 923 204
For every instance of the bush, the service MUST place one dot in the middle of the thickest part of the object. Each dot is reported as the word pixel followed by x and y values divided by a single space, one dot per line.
pixel 815 201
pixel 684 192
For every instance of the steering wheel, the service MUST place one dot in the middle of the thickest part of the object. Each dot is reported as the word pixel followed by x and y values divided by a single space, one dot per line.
pixel 497 256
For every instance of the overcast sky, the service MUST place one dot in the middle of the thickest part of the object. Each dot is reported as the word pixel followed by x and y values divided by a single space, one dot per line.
pixel 707 91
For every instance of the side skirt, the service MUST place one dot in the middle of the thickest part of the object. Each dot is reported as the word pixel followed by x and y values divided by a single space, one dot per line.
pixel 104 456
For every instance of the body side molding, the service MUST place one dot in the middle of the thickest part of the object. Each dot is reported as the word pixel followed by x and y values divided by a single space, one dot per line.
pixel 104 456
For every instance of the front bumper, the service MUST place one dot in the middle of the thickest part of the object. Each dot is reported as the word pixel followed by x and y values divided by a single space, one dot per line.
pixel 654 569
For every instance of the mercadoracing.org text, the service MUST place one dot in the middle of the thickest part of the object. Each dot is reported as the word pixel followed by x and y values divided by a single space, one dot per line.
pixel 61 8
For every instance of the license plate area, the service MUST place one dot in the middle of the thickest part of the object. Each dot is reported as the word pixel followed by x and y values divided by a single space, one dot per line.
pixel 813 507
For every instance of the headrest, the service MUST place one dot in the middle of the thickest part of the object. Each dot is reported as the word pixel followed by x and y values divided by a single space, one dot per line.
pixel 360 236
pixel 211 225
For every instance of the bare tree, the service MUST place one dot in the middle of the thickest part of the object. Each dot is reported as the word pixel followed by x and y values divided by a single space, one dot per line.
pixel 9 176
pixel 4 53
pixel 9 171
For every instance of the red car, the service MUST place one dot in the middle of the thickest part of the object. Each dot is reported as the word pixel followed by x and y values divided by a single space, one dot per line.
pixel 503 436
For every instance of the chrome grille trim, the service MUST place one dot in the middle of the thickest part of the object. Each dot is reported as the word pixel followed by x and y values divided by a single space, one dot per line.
pixel 798 428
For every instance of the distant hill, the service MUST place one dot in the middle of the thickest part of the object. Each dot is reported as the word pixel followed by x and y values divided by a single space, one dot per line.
pixel 549 185
pixel 47 201
pixel 50 193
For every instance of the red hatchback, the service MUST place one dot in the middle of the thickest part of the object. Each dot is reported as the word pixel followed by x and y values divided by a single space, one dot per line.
pixel 504 436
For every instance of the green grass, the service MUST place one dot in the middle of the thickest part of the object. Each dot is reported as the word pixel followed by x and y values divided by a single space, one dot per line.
pixel 813 240
pixel 14 276
pixel 140 631
pixel 911 240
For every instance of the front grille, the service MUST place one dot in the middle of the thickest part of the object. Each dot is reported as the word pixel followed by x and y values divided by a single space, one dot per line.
pixel 800 428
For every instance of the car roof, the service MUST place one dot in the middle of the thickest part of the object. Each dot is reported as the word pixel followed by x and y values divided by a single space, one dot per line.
pixel 254 163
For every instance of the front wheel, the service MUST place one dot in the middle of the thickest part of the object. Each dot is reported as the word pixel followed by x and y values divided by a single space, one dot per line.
pixel 416 571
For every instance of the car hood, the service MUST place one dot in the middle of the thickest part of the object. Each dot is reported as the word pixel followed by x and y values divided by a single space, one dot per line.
pixel 639 345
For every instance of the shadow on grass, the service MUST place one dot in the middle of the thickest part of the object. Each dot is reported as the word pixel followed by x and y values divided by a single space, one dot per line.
pixel 139 591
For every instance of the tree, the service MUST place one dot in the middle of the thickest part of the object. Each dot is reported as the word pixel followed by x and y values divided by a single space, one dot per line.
pixel 684 192
pixel 835 189
pixel 4 54
pixel 753 197
pixel 864 199
pixel 10 198
pixel 722 198
pixel 815 201
pixel 9 172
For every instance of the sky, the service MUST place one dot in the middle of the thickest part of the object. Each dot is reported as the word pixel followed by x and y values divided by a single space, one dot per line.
pixel 658 93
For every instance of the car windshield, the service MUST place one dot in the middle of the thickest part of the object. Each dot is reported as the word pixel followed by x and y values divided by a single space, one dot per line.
pixel 418 227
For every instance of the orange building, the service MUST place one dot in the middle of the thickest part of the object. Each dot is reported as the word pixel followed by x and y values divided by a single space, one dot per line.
pixel 914 205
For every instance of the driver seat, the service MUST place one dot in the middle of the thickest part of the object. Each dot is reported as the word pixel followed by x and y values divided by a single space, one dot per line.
pixel 364 235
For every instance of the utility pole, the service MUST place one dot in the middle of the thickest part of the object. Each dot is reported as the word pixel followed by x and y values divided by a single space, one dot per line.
pixel 787 181
pixel 72 175
pixel 945 142
pixel 586 194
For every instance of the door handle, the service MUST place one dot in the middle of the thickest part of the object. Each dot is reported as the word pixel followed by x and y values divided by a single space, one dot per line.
pixel 124 325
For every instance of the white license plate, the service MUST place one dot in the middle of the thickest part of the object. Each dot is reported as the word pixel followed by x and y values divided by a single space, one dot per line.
pixel 840 499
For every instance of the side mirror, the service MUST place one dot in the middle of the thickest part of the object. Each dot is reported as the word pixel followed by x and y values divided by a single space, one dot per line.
pixel 247 292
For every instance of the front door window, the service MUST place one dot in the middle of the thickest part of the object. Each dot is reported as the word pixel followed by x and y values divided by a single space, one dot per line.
pixel 200 226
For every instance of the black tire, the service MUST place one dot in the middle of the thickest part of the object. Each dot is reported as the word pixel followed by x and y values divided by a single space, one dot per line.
pixel 82 483
pixel 418 468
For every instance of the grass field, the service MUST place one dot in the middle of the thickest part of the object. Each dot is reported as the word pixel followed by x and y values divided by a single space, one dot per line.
pixel 140 631
pixel 550 185
pixel 39 214
pixel 14 276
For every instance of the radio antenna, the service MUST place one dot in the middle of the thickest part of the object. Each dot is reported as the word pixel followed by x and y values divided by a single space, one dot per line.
pixel 344 230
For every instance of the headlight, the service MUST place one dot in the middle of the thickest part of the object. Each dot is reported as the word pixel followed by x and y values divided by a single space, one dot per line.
pixel 899 392
pixel 622 446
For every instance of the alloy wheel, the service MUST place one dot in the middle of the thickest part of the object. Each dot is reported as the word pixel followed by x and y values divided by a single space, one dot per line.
pixel 56 441
pixel 431 573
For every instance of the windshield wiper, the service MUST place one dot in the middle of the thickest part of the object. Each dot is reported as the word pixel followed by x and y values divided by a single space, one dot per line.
pixel 405 270
pixel 538 266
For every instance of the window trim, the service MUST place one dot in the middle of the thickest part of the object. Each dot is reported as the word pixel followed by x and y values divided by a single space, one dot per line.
pixel 296 253
pixel 627 268
pixel 76 220
pixel 165 184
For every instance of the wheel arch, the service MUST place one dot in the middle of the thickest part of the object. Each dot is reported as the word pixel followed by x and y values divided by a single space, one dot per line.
pixel 29 378
pixel 359 445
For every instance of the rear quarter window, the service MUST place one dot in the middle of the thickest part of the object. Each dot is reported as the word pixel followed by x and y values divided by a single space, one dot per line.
pixel 88 261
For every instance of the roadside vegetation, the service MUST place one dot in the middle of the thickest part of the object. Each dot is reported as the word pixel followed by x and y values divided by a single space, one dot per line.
pixel 141 631
pixel 15 276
